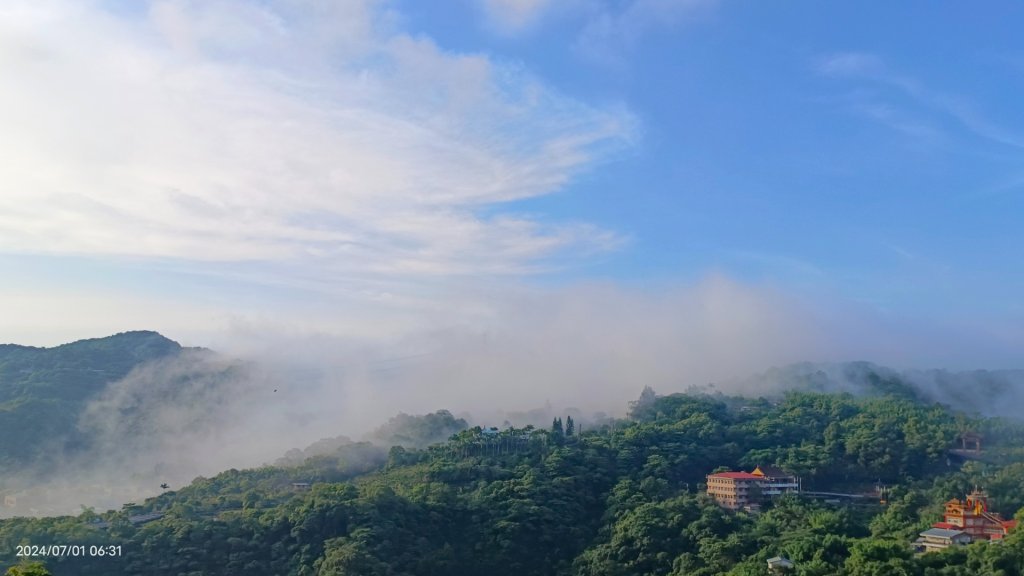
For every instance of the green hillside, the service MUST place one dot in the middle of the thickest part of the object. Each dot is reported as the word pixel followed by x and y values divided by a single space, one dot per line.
pixel 43 390
pixel 622 500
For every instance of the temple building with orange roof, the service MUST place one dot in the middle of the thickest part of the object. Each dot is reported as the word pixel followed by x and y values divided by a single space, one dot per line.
pixel 972 517
pixel 775 481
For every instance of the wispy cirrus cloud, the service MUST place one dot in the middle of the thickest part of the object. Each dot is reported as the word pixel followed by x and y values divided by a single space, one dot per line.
pixel 614 29
pixel 851 64
pixel 949 107
pixel 605 31
pixel 313 132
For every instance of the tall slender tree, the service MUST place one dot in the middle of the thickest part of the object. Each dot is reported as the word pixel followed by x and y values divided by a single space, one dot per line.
pixel 556 428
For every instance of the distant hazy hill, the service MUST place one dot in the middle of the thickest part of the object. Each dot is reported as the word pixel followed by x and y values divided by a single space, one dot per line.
pixel 44 390
pixel 989 392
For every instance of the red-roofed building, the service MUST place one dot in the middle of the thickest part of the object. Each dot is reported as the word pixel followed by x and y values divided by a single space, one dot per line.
pixel 735 490
pixel 737 475
pixel 972 516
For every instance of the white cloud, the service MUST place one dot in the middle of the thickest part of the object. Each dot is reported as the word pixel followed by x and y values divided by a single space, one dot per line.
pixel 604 30
pixel 615 28
pixel 593 346
pixel 514 16
pixel 304 131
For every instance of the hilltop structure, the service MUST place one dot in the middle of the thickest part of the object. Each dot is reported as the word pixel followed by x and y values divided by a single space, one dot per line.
pixel 780 565
pixel 973 517
pixel 776 481
pixel 935 539
pixel 965 521
pixel 735 490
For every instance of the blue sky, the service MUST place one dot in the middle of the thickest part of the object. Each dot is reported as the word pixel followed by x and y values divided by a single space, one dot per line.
pixel 869 149
pixel 875 147
pixel 375 169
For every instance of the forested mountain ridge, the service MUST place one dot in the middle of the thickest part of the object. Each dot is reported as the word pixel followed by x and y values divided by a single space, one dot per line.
pixel 43 391
pixel 622 500
pixel 989 392
pixel 74 371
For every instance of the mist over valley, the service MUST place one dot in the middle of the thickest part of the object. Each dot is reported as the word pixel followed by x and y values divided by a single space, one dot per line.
pixel 103 422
